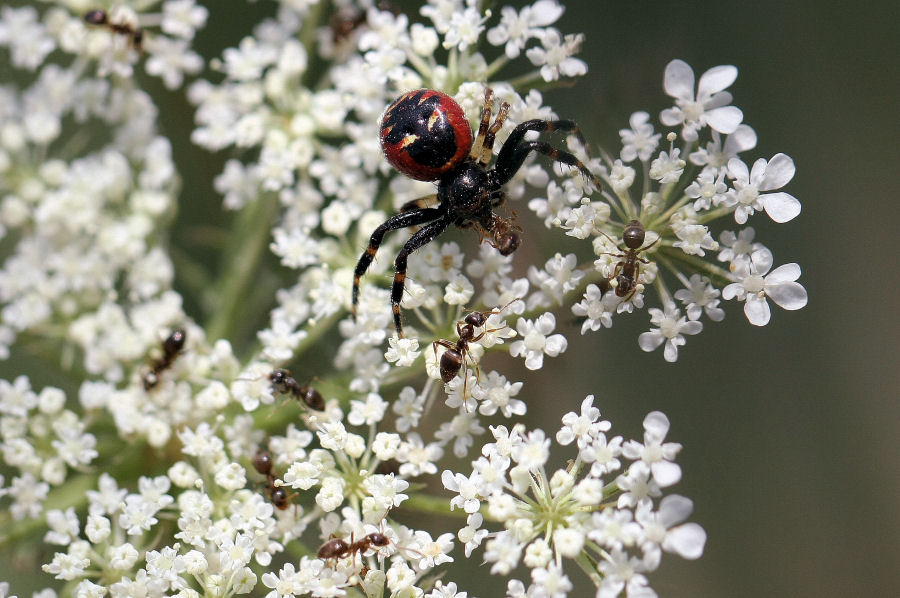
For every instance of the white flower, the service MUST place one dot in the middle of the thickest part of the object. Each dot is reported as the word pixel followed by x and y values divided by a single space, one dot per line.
pixel 403 351
pixel 555 55
pixel 536 342
pixel 699 296
pixel 694 238
pixel 747 197
pixel 754 285
pixel 515 29
pixel 708 107
pixel 183 17
pixel 661 529
pixel 639 141
pixel 657 455
pixel 672 325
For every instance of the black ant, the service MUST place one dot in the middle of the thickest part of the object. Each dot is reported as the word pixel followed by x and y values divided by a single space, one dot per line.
pixel 459 353
pixel 101 19
pixel 284 383
pixel 628 270
pixel 263 463
pixel 172 347
pixel 338 548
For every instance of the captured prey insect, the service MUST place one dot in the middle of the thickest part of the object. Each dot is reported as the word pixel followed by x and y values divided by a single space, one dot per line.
pixel 425 135
pixel 172 347
pixel 627 272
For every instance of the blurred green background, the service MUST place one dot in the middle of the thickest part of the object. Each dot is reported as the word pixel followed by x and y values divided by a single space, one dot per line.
pixel 790 432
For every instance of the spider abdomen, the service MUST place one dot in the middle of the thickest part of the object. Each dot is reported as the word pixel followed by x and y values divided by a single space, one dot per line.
pixel 425 134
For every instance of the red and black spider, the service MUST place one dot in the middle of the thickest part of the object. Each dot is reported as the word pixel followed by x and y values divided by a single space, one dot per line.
pixel 425 135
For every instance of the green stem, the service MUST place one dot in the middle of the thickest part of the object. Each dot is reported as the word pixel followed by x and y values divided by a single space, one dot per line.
pixel 246 249
pixel 425 503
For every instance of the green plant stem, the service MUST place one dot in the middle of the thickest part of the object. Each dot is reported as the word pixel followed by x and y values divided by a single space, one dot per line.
pixel 246 249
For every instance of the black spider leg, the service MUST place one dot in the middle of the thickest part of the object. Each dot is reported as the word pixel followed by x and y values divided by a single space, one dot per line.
pixel 412 217
pixel 421 237
pixel 515 150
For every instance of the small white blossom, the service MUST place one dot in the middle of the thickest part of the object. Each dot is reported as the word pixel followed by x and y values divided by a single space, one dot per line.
pixel 672 326
pixel 708 106
pixel 537 340
pixel 755 283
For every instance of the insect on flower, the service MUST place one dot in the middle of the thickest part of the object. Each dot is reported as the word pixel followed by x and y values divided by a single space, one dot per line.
pixel 425 135
pixel 172 347
pixel 100 18
pixel 628 271
pixel 459 354
pixel 284 383
pixel 263 464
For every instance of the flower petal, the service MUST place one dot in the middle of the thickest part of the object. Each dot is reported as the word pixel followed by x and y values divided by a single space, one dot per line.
pixel 781 207
pixel 673 509
pixel 738 170
pixel 656 425
pixel 743 138
pixel 716 79
pixel 679 80
pixel 666 473
pixel 648 341
pixel 687 541
pixel 725 119
pixel 788 295
pixel 779 172
pixel 757 310
pixel 786 273
pixel 670 351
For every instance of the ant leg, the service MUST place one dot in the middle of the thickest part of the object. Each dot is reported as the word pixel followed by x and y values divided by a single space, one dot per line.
pixel 401 220
pixel 442 342
pixel 421 237
pixel 515 150
pixel 485 121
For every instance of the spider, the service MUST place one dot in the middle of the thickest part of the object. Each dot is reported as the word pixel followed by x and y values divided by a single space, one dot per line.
pixel 425 135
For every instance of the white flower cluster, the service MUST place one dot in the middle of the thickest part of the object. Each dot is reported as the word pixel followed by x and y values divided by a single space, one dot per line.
pixel 170 470
pixel 116 40
pixel 673 208
pixel 619 528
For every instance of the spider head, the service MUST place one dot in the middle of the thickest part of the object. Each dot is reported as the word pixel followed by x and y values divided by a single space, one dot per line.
pixel 466 192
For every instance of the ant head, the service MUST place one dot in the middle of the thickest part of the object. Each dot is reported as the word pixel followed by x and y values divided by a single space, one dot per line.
pixel 278 376
pixel 378 539
pixel 475 319
pixel 633 235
